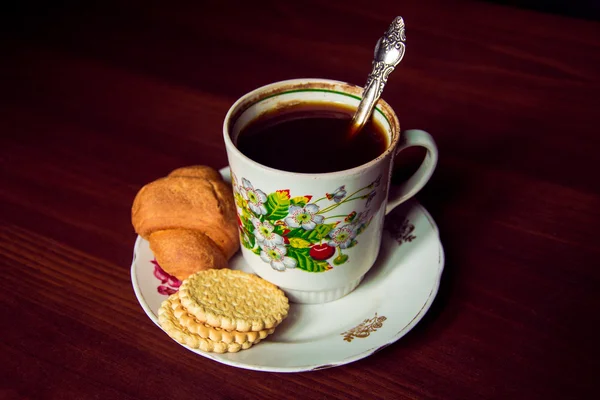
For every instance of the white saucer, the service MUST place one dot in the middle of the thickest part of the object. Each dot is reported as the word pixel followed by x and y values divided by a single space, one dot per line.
pixel 395 294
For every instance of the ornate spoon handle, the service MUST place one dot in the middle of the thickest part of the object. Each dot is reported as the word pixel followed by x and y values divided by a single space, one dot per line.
pixel 389 51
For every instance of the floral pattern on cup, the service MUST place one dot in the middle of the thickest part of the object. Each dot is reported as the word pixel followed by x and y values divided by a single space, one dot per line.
pixel 169 284
pixel 298 232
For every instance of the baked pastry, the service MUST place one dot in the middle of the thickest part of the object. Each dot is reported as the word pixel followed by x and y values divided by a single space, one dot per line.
pixel 189 218
pixel 181 252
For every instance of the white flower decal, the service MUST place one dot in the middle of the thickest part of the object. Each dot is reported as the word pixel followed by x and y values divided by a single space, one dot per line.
pixel 342 237
pixel 337 195
pixel 256 197
pixel 263 231
pixel 305 217
pixel 276 256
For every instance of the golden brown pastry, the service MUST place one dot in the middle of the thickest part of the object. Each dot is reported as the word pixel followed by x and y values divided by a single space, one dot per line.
pixel 190 203
pixel 197 171
pixel 182 252
pixel 191 198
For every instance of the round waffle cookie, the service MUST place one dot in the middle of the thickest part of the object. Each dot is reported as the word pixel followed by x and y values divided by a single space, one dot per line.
pixel 170 324
pixel 233 300
pixel 206 331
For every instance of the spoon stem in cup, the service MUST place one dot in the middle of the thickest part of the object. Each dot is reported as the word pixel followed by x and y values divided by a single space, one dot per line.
pixel 389 51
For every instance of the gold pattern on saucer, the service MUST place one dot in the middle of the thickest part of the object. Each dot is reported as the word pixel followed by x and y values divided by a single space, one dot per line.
pixel 400 231
pixel 365 328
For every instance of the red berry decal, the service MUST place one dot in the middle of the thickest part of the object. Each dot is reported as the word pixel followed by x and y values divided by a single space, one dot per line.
pixel 321 252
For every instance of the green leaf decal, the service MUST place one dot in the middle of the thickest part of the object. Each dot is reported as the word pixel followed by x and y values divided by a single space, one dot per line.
pixel 248 227
pixel 300 201
pixel 321 266
pixel 247 240
pixel 299 243
pixel 323 230
pixel 277 205
pixel 306 262
pixel 314 235
pixel 339 260
pixel 295 232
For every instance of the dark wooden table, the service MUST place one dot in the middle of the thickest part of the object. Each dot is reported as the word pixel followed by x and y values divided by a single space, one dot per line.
pixel 96 102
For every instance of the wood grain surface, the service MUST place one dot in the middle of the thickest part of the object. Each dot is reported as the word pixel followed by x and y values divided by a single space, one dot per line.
pixel 96 101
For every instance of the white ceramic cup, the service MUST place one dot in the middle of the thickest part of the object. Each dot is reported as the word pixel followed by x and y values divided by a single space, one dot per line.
pixel 316 235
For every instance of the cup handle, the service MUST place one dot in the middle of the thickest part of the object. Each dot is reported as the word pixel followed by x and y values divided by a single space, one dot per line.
pixel 398 194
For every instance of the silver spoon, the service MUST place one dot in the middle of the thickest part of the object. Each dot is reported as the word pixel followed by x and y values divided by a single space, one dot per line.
pixel 389 51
